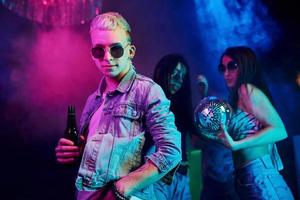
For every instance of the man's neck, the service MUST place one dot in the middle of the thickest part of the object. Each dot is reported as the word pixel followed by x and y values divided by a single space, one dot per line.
pixel 113 82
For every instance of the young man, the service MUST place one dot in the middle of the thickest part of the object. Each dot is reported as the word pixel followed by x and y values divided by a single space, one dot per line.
pixel 126 114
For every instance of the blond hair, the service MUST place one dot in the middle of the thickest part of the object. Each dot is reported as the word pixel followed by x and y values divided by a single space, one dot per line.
pixel 110 21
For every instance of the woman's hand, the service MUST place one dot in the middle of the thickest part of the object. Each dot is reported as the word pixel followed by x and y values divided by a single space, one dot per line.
pixel 224 138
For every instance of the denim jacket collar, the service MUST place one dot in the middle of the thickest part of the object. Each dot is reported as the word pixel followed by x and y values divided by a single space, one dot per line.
pixel 124 85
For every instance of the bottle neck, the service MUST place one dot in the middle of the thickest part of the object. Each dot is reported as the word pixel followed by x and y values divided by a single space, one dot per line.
pixel 71 120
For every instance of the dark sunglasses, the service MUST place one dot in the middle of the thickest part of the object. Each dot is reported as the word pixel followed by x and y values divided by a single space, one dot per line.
pixel 115 51
pixel 232 65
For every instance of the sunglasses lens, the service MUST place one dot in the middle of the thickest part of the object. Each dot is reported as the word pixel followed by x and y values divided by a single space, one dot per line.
pixel 117 51
pixel 98 52
pixel 232 65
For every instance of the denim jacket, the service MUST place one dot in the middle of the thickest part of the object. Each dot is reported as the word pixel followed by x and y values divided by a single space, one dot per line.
pixel 135 115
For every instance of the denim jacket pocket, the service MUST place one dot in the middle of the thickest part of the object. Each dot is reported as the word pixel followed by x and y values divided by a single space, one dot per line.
pixel 127 118
pixel 127 110
pixel 246 180
pixel 126 156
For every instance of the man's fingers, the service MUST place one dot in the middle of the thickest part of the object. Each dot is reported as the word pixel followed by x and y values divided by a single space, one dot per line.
pixel 64 141
pixel 67 154
pixel 66 160
pixel 81 137
pixel 66 148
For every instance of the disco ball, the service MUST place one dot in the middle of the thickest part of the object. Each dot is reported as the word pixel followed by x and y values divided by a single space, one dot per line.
pixel 210 113
pixel 55 12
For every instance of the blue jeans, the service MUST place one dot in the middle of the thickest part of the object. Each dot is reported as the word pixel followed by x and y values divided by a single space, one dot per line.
pixel 259 180
pixel 178 190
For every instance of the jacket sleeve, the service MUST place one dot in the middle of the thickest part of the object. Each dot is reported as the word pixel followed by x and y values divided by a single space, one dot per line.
pixel 160 123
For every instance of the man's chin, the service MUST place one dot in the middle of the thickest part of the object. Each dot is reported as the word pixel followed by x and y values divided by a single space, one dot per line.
pixel 110 75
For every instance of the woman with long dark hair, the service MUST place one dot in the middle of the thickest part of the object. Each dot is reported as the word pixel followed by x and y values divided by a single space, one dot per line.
pixel 172 74
pixel 254 128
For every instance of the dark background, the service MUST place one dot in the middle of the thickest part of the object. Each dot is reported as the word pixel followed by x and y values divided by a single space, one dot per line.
pixel 45 69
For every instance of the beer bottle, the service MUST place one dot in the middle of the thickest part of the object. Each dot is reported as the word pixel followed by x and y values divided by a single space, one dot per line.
pixel 71 131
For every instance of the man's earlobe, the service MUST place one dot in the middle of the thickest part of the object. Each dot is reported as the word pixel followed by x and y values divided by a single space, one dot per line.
pixel 132 51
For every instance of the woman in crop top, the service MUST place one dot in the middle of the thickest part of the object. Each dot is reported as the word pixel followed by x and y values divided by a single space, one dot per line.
pixel 253 130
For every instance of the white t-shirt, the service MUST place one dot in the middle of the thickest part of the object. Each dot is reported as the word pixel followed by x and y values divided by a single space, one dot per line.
pixel 96 119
